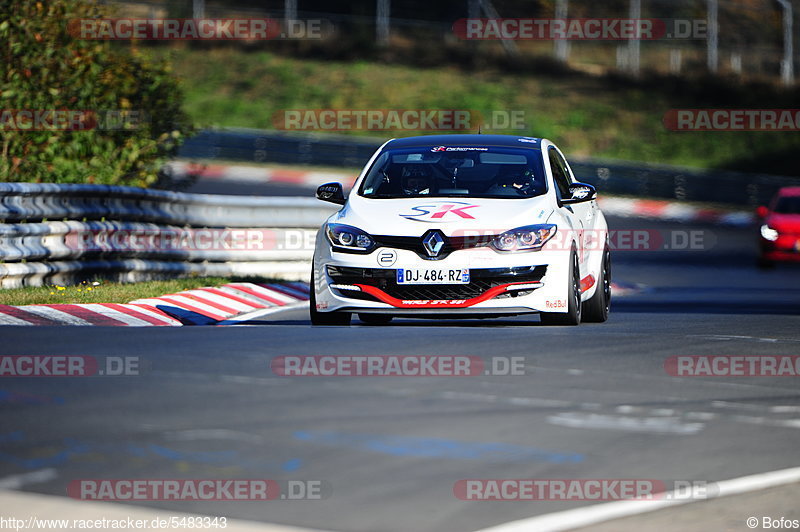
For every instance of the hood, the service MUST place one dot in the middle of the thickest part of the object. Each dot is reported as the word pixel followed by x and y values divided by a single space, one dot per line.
pixel 414 216
pixel 784 223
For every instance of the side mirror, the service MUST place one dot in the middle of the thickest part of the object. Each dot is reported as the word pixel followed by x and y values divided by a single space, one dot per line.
pixel 762 212
pixel 580 192
pixel 332 192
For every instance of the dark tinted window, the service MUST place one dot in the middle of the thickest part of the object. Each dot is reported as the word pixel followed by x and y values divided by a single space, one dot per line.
pixel 560 173
pixel 469 171
pixel 788 205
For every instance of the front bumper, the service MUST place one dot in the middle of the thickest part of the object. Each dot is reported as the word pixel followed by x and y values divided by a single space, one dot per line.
pixel 500 283
pixel 785 249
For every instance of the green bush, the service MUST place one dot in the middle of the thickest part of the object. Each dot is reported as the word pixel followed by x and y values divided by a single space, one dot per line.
pixel 47 68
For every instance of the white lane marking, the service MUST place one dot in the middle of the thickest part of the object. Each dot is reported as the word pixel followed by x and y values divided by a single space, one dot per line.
pixel 56 315
pixel 213 434
pixel 7 319
pixel 242 319
pixel 662 412
pixel 628 409
pixel 127 319
pixel 221 300
pixel 786 423
pixel 782 409
pixel 519 401
pixel 728 337
pixel 703 416
pixel 15 482
pixel 659 425
pixel 737 406
pixel 600 513
pixel 258 381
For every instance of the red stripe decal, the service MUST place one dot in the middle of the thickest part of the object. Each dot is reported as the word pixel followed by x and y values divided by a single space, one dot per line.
pixel 434 303
pixel 587 282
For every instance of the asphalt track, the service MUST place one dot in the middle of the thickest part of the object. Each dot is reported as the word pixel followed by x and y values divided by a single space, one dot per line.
pixel 595 401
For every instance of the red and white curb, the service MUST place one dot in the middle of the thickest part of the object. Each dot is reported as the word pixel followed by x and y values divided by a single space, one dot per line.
pixel 224 305
pixel 672 211
pixel 258 174
pixel 202 306
pixel 665 210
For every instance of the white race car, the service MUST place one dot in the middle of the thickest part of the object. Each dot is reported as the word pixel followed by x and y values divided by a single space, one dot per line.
pixel 462 226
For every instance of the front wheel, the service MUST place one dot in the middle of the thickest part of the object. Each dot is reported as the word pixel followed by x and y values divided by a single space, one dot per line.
pixel 573 314
pixel 324 318
pixel 595 310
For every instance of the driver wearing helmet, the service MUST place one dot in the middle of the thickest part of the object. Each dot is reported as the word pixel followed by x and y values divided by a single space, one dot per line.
pixel 416 181
pixel 516 182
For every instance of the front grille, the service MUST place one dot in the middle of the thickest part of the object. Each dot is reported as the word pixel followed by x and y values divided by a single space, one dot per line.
pixel 414 243
pixel 481 280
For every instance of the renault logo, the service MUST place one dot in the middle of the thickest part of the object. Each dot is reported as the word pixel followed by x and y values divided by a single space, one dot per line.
pixel 433 242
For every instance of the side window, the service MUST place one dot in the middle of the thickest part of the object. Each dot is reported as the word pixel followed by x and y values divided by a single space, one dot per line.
pixel 560 173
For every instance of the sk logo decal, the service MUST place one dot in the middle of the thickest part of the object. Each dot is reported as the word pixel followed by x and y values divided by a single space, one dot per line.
pixel 441 212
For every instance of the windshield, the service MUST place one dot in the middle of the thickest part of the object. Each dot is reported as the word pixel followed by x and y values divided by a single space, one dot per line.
pixel 469 171
pixel 788 205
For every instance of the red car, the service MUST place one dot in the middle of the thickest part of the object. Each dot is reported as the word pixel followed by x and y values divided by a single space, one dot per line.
pixel 779 238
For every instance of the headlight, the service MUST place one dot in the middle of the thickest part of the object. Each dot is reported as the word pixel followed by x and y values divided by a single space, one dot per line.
pixel 349 238
pixel 769 233
pixel 529 238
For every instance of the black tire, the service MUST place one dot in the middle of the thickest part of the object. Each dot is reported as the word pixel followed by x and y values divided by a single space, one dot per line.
pixel 324 318
pixel 573 314
pixel 595 310
pixel 375 319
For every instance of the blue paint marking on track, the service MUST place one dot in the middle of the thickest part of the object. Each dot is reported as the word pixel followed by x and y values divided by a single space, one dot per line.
pixel 72 448
pixel 411 446
pixel 28 399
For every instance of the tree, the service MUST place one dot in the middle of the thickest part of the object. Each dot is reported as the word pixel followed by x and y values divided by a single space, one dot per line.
pixel 47 68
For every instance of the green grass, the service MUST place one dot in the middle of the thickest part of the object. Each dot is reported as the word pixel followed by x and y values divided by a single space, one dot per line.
pixel 586 115
pixel 106 292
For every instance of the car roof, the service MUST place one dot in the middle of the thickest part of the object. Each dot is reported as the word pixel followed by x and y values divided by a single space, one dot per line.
pixel 506 141
pixel 789 191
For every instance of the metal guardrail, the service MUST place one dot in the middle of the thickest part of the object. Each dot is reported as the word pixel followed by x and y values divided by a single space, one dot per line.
pixel 610 177
pixel 49 201
pixel 62 233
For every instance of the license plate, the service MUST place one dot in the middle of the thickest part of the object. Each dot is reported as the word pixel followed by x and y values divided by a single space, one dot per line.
pixel 432 276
